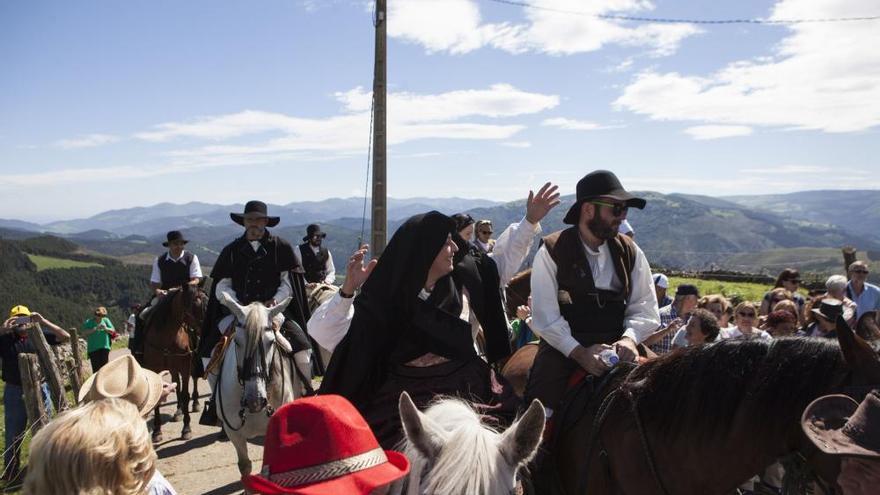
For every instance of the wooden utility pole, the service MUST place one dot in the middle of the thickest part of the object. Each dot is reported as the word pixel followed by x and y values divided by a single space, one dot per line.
pixel 849 257
pixel 379 215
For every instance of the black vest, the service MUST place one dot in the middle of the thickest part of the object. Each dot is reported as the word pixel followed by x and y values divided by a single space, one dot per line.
pixel 174 273
pixel 594 315
pixel 315 265
pixel 256 275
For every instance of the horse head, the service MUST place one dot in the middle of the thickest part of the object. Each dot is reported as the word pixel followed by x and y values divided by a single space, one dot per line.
pixel 256 336
pixel 453 452
pixel 195 304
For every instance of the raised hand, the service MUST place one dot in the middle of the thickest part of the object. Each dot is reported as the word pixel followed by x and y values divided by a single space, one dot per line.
pixel 356 273
pixel 538 205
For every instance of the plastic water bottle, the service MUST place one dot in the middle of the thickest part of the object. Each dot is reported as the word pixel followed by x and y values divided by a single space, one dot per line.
pixel 609 357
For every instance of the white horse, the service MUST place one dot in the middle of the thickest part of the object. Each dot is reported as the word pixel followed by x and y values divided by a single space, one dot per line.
pixel 452 452
pixel 256 376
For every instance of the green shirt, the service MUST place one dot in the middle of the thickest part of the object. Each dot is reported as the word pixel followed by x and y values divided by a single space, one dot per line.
pixel 99 339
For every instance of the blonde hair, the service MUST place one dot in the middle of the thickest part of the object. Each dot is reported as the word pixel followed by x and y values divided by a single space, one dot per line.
pixel 100 448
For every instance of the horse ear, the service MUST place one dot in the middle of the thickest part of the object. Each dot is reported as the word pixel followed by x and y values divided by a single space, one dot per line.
pixel 857 353
pixel 232 304
pixel 520 441
pixel 419 429
pixel 274 310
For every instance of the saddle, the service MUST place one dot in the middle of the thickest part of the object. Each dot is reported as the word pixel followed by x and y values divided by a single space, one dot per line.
pixel 220 350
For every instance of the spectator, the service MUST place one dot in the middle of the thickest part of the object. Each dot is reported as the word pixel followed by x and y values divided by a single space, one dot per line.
pixel 132 320
pixel 522 332
pixel 789 307
pixel 780 323
pixel 97 331
pixel 839 426
pixel 789 280
pixel 464 225
pixel 123 378
pixel 865 295
pixel 484 231
pixel 719 306
pixel 702 327
pixel 745 317
pixel 14 341
pixel 100 447
pixel 672 317
pixel 824 312
pixel 661 283
pixel 310 438
pixel 835 288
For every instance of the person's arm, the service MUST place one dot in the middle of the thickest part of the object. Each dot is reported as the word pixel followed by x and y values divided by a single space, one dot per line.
pixel 546 317
pixel 85 330
pixel 330 321
pixel 108 325
pixel 642 316
pixel 658 335
pixel 284 290
pixel 512 247
pixel 224 286
pixel 195 271
pixel 156 278
pixel 330 269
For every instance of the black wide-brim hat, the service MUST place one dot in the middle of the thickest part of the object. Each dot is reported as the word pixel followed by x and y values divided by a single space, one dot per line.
pixel 312 230
pixel 600 183
pixel 255 209
pixel 174 235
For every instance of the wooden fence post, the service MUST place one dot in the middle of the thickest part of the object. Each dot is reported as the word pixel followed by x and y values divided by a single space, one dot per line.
pixel 77 354
pixel 30 386
pixel 849 257
pixel 49 367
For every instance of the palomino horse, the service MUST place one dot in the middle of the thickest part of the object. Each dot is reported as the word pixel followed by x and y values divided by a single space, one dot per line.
pixel 451 451
pixel 256 376
pixel 167 347
pixel 316 296
pixel 703 420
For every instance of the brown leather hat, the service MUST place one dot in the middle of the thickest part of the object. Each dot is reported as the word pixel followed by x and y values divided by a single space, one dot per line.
pixel 838 425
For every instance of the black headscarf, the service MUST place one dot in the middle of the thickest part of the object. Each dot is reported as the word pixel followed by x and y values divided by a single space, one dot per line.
pixel 387 305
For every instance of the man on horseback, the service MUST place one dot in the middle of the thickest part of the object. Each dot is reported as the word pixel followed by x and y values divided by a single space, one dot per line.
pixel 258 267
pixel 591 290
pixel 171 271
pixel 314 258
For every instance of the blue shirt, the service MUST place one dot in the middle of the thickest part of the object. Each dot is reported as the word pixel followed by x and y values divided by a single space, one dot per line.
pixel 868 300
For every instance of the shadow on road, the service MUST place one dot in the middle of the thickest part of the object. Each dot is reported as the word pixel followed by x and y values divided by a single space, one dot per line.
pixel 164 452
pixel 228 489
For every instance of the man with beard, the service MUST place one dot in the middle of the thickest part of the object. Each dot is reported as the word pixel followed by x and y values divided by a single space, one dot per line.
pixel 258 267
pixel 591 290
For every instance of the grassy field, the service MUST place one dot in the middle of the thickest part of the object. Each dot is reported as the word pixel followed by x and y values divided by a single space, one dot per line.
pixel 49 263
pixel 735 291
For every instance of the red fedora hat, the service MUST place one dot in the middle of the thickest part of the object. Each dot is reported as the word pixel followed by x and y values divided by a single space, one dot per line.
pixel 322 445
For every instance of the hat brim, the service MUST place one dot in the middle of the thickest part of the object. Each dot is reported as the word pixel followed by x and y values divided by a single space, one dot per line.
pixel 322 234
pixel 239 219
pixel 826 317
pixel 154 392
pixel 823 422
pixel 360 482
pixel 166 243
pixel 574 213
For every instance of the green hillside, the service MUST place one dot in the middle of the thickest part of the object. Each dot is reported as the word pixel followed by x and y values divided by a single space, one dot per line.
pixel 50 263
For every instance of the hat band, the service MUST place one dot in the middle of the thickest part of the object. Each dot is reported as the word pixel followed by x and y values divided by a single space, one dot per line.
pixel 330 470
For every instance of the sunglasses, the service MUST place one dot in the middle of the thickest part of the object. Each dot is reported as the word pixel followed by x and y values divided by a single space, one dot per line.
pixel 489 232
pixel 617 209
pixel 794 280
pixel 746 314
pixel 860 271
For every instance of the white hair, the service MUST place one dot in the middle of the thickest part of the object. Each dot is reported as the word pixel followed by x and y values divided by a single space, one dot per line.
pixel 836 283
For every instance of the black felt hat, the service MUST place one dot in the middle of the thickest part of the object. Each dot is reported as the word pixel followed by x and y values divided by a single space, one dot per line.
pixel 314 229
pixel 600 183
pixel 254 209
pixel 174 235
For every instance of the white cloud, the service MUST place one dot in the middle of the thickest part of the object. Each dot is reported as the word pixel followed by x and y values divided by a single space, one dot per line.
pixel 575 125
pixel 821 76
pixel 89 141
pixel 705 132
pixel 796 169
pixel 517 144
pixel 456 26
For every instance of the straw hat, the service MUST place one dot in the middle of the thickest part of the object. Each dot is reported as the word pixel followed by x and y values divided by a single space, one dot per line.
pixel 123 378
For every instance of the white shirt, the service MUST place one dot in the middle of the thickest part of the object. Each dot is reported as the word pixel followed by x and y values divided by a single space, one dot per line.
pixel 640 319
pixel 329 267
pixel 330 321
pixel 735 333
pixel 195 269
pixel 224 286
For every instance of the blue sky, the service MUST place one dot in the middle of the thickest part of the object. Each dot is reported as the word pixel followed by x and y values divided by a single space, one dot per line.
pixel 111 104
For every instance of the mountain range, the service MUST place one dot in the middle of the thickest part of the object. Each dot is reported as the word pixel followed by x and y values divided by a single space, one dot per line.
pixel 747 233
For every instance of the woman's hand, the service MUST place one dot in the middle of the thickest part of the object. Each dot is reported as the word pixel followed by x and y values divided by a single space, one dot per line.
pixel 356 273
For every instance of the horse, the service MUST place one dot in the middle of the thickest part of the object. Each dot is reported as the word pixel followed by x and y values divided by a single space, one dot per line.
pixel 256 376
pixel 167 346
pixel 451 450
pixel 316 296
pixel 703 420
pixel 517 292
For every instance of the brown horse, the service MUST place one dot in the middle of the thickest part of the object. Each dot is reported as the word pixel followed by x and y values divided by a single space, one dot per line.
pixel 705 419
pixel 167 346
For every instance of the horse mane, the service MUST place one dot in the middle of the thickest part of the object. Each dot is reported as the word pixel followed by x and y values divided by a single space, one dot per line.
pixel 699 391
pixel 517 291
pixel 254 323
pixel 469 443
